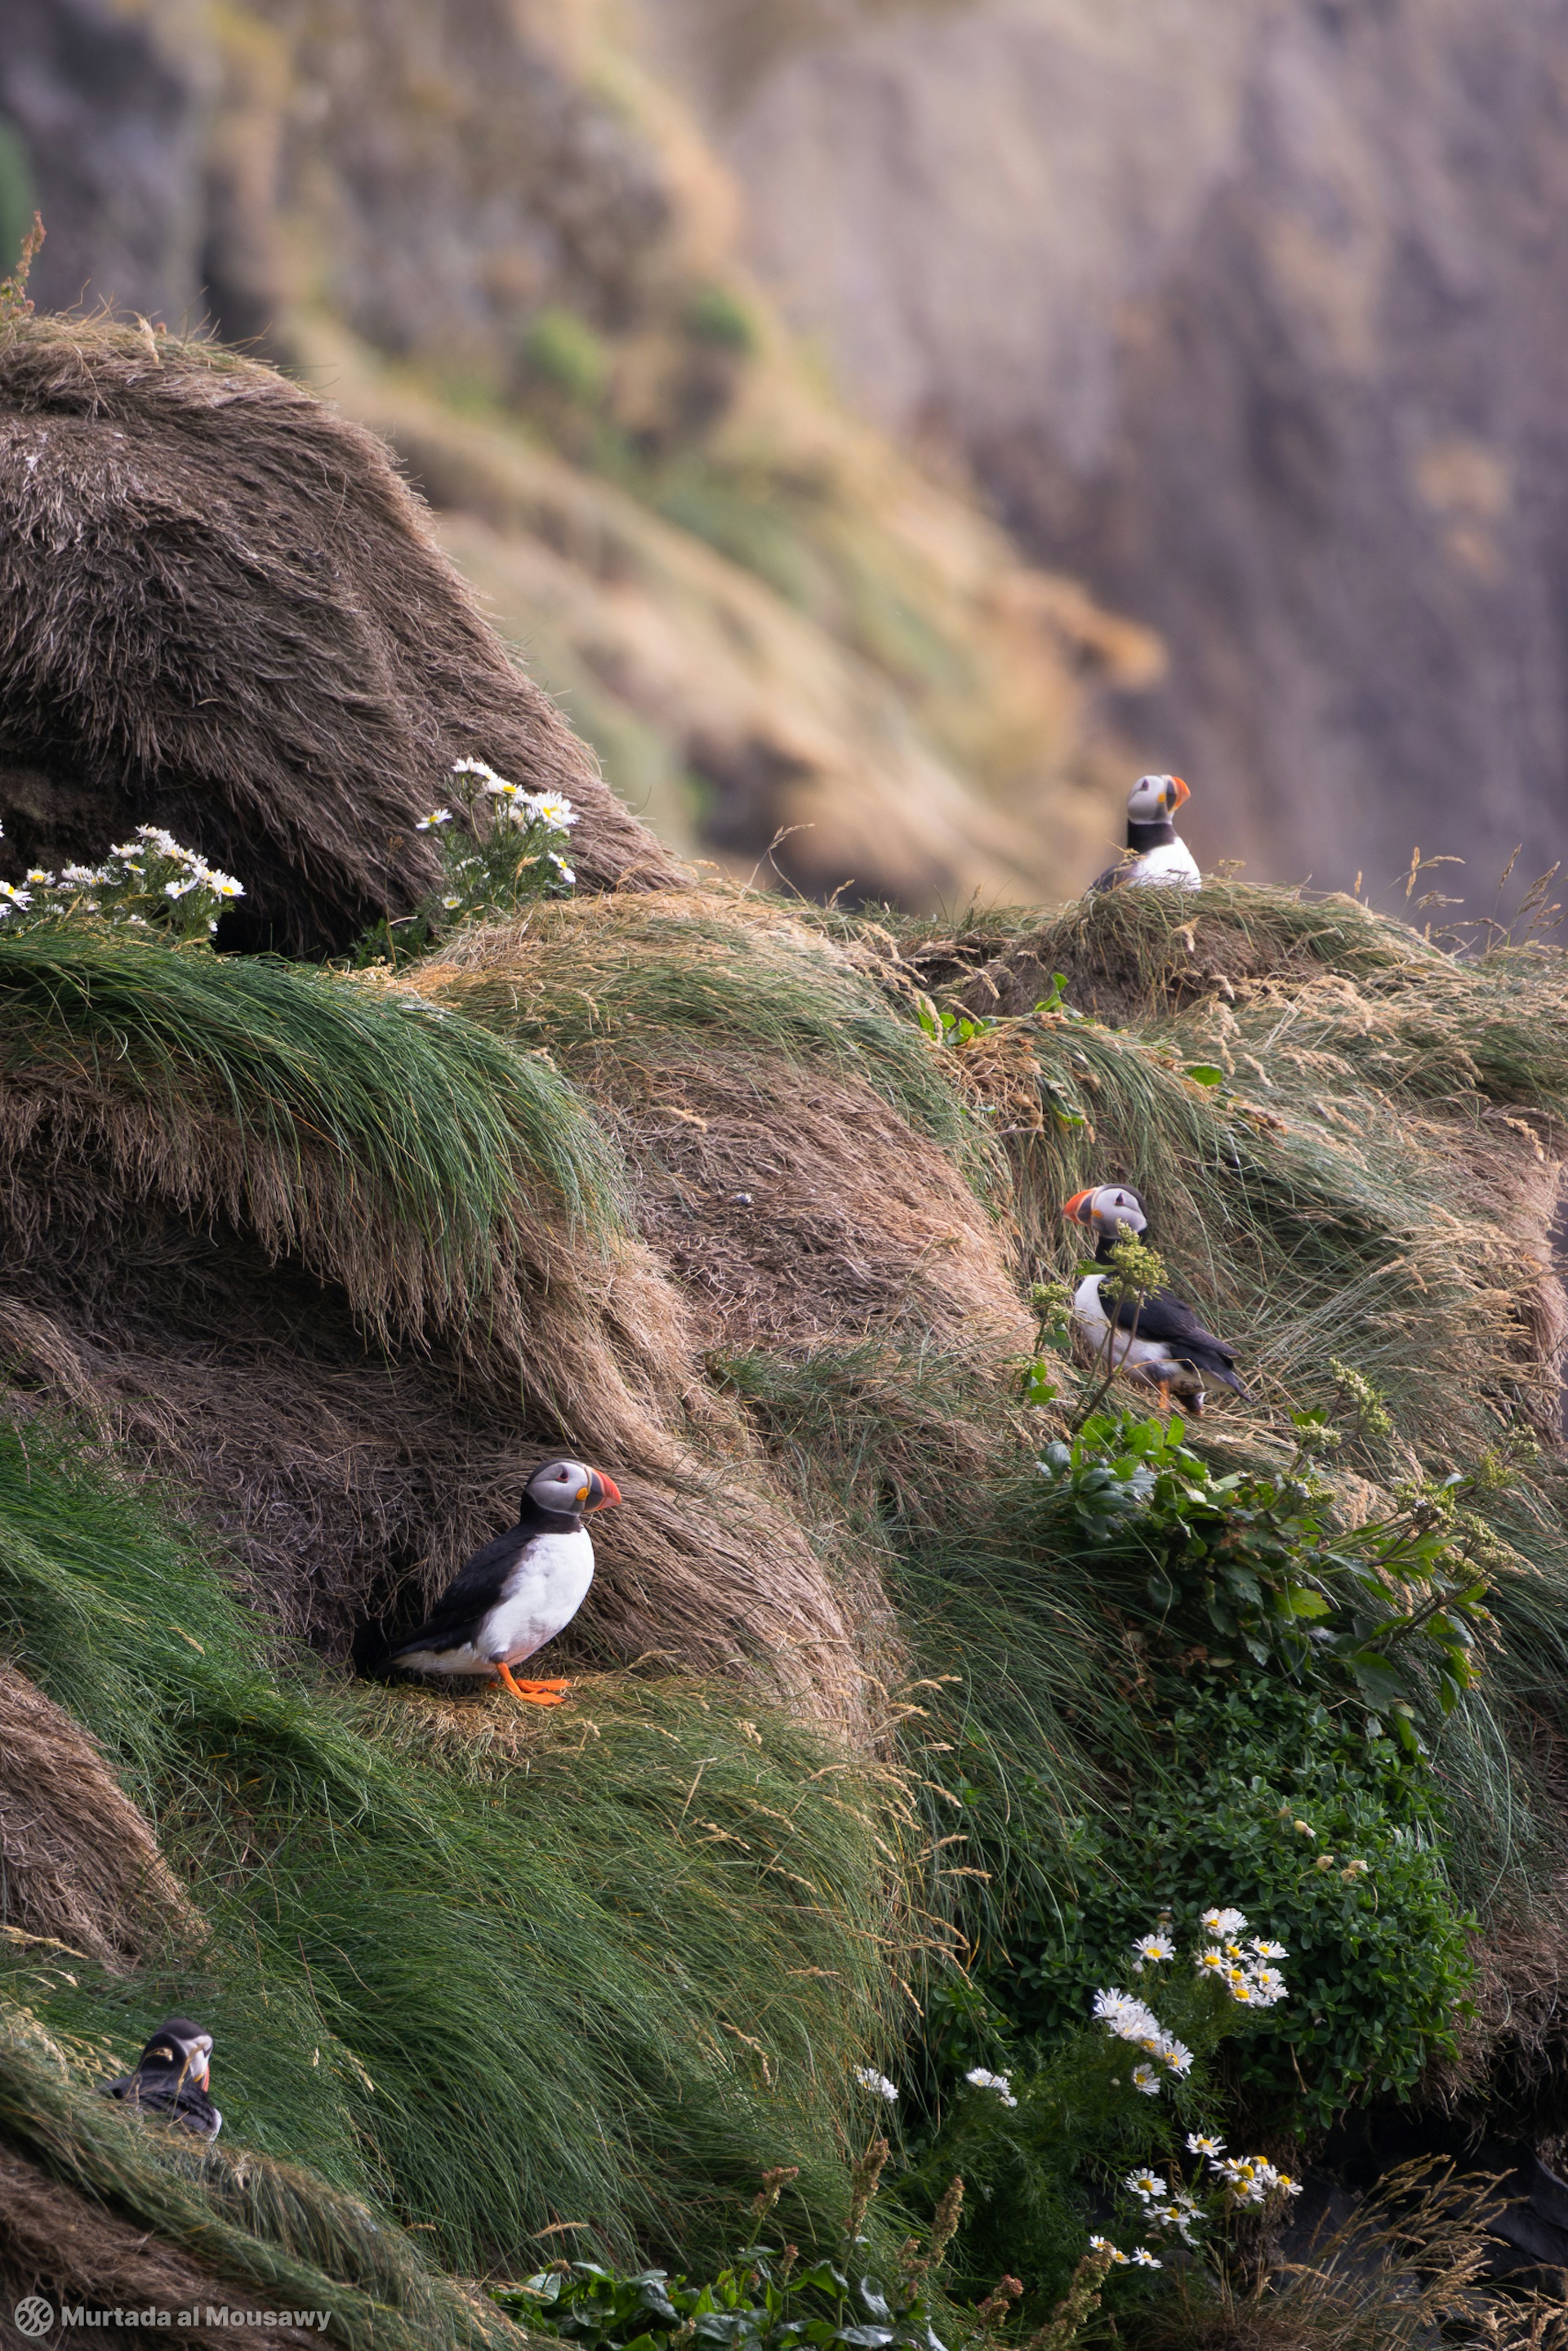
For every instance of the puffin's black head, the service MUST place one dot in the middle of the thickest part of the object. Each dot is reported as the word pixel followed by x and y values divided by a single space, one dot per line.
pixel 1106 1208
pixel 179 2047
pixel 571 1489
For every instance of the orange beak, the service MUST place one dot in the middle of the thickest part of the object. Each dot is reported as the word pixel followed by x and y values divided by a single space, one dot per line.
pixel 1180 794
pixel 604 1493
pixel 1075 1208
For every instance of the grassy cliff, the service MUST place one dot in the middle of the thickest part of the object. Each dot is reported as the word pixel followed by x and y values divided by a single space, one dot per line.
pixel 882 1744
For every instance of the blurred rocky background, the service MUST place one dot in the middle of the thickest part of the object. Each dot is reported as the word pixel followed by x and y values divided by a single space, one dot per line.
pixel 893 422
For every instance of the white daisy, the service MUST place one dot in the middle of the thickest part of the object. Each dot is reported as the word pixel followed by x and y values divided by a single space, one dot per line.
pixel 1001 2083
pixel 555 808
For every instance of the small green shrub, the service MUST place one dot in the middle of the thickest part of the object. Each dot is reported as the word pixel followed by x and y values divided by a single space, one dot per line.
pixel 1272 1801
pixel 715 315
pixel 1389 1611
pixel 561 352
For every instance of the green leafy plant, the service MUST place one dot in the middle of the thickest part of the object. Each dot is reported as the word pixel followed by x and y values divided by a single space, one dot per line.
pixel 768 2299
pixel 1394 1609
pixel 1280 1802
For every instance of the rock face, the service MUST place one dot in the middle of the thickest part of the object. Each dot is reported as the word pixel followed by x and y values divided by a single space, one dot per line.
pixel 785 640
pixel 1256 317
pixel 109 105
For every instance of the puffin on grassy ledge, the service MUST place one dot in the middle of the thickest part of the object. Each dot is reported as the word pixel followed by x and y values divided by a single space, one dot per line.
pixel 1165 1345
pixel 1157 858
pixel 171 2077
pixel 521 1590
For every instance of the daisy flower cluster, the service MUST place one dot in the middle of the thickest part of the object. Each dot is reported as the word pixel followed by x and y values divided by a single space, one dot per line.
pixel 151 882
pixel 510 804
pixel 1240 2183
pixel 1247 1970
pixel 877 2083
pixel 1247 2180
pixel 1124 2014
pixel 499 845
pixel 1140 2257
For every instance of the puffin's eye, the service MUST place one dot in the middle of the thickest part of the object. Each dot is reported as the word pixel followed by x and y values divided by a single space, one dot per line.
pixel 560 1477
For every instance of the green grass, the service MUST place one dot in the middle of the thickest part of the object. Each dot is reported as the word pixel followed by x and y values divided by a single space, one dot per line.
pixel 423 1121
pixel 270 2234
pixel 609 1984
pixel 701 984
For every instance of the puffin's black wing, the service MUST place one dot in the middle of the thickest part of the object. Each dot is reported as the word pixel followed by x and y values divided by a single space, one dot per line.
pixel 473 1591
pixel 1171 1322
pixel 162 2094
pixel 1112 878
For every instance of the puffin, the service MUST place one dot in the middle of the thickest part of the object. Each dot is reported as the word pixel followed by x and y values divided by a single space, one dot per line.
pixel 171 2077
pixel 1155 858
pixel 521 1590
pixel 1167 1347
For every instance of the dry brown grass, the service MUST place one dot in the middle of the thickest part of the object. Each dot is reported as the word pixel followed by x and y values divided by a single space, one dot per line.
pixel 221 610
pixel 79 1867
pixel 792 1202
pixel 1406 2270
pixel 71 2249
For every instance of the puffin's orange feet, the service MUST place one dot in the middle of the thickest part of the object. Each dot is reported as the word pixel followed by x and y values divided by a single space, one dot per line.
pixel 534 1693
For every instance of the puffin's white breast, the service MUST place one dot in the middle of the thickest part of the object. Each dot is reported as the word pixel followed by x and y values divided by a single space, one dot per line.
pixel 1170 865
pixel 1093 1321
pixel 540 1596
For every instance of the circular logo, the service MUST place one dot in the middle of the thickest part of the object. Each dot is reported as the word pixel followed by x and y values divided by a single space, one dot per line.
pixel 33 2315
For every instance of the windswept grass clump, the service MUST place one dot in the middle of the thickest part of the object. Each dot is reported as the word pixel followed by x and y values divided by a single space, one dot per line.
pixel 711 977
pixel 604 1970
pixel 262 2234
pixel 337 1105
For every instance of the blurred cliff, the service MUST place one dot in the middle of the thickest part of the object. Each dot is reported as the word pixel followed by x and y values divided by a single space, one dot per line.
pixel 1256 317
pixel 488 230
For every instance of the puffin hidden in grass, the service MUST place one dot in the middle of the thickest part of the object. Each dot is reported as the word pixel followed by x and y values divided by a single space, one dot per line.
pixel 1165 1345
pixel 171 2077
pixel 521 1590
pixel 1155 858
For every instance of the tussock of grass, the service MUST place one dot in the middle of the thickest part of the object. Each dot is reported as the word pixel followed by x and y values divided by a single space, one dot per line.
pixel 606 1967
pixel 264 2236
pixel 716 976
pixel 337 1106
pixel 777 1113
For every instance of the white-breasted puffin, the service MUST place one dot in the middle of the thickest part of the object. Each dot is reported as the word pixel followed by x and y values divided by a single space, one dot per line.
pixel 171 2078
pixel 1157 858
pixel 521 1590
pixel 1166 1344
